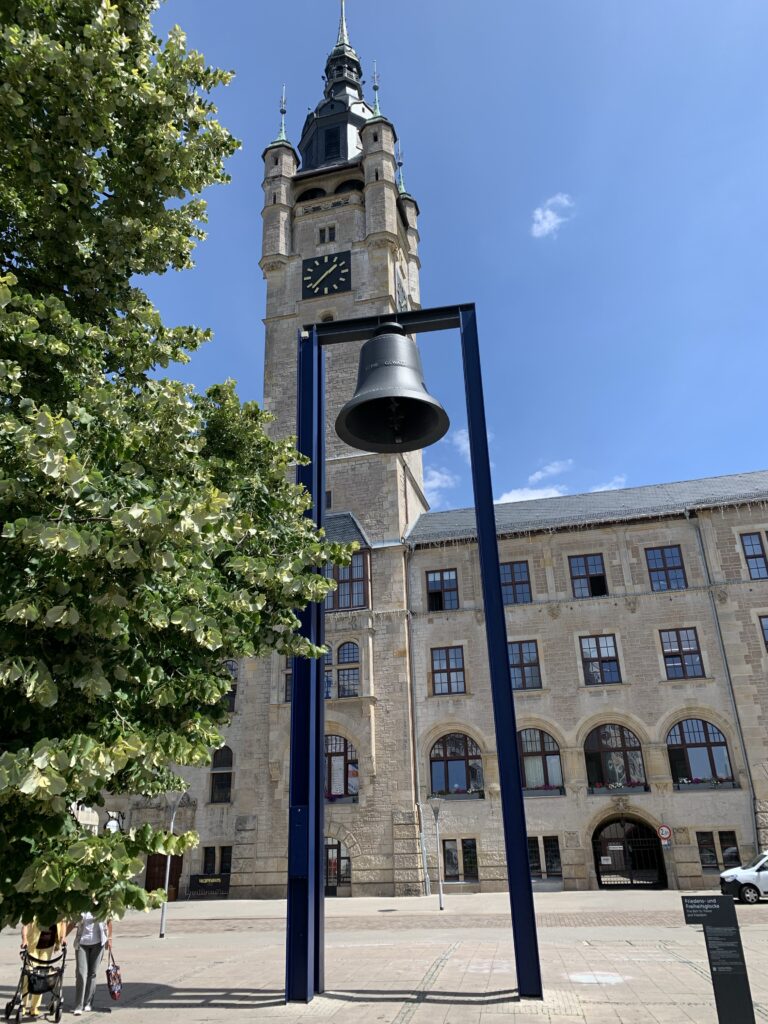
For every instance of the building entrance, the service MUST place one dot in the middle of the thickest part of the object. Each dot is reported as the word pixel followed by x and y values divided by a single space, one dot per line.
pixel 338 873
pixel 628 855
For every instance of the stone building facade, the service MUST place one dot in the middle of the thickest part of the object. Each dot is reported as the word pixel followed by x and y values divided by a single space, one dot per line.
pixel 637 619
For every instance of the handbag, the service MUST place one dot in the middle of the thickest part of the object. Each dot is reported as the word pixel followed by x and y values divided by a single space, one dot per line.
pixel 114 978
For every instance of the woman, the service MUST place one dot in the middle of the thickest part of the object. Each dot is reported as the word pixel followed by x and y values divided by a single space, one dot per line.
pixel 90 939
pixel 41 943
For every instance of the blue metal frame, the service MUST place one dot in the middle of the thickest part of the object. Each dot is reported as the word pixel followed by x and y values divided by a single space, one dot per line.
pixel 306 838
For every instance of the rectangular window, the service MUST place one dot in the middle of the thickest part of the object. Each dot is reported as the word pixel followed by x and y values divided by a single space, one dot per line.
pixel 524 665
pixel 329 500
pixel 328 675
pixel 351 584
pixel 682 656
pixel 515 583
pixel 322 236
pixel 448 670
pixel 552 862
pixel 665 568
pixel 225 860
pixel 221 787
pixel 707 851
pixel 332 143
pixel 534 857
pixel 332 234
pixel 764 627
pixel 349 682
pixel 442 590
pixel 469 859
pixel 450 860
pixel 600 660
pixel 754 552
pixel 588 576
pixel 288 687
pixel 729 848
pixel 209 860
pixel 230 698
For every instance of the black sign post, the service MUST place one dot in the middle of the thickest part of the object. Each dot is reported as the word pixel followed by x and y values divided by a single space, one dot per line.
pixel 726 956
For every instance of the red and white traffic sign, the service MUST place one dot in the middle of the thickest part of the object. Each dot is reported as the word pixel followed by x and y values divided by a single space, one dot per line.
pixel 664 832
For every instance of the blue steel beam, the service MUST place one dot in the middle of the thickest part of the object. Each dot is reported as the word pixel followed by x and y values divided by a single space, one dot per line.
pixel 510 779
pixel 306 709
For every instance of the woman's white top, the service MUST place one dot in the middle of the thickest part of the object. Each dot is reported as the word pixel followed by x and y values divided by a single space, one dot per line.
pixel 90 932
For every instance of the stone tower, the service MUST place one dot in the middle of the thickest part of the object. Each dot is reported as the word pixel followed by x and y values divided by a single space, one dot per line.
pixel 340 208
pixel 340 241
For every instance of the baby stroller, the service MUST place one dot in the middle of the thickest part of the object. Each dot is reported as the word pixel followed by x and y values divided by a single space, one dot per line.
pixel 41 976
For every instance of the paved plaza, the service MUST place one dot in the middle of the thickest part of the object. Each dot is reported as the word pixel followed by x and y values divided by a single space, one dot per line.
pixel 607 957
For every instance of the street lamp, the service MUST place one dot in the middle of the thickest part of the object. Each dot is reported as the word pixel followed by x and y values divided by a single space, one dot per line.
pixel 391 411
pixel 174 805
pixel 434 802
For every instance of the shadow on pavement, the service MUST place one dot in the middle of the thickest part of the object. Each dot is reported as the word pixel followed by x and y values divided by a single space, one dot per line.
pixel 386 995
pixel 166 997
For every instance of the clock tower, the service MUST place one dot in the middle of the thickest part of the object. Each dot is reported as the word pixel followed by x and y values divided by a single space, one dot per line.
pixel 340 240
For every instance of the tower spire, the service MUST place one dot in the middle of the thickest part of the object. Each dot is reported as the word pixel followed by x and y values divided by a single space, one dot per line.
pixel 400 179
pixel 281 136
pixel 376 87
pixel 343 39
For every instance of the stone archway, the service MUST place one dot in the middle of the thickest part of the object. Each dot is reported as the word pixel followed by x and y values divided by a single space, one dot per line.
pixel 628 855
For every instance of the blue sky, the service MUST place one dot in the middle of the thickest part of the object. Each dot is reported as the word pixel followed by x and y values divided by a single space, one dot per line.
pixel 592 173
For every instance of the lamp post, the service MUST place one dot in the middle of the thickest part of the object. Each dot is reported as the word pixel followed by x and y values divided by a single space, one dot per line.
pixel 381 415
pixel 174 805
pixel 434 803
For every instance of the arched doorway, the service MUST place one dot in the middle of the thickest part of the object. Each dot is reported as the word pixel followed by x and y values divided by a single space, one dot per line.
pixel 338 872
pixel 628 855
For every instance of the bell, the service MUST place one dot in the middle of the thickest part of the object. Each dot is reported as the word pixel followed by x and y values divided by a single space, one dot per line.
pixel 391 410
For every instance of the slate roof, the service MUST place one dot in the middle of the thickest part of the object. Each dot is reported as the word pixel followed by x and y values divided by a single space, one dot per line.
pixel 573 511
pixel 343 528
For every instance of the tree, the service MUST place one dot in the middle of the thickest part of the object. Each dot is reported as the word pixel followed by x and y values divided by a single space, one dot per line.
pixel 148 532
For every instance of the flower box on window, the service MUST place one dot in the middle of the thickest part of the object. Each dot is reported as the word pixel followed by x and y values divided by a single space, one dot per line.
pixel 544 791
pixel 706 784
pixel 612 788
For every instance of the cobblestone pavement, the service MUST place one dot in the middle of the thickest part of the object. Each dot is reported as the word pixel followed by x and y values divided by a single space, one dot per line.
pixel 620 957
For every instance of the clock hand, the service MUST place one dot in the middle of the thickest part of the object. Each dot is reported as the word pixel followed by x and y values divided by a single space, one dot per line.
pixel 322 277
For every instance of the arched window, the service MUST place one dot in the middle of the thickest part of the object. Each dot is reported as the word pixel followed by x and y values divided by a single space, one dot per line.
pixel 311 193
pixel 221 776
pixel 698 752
pixel 614 758
pixel 539 760
pixel 456 766
pixel 351 185
pixel 341 775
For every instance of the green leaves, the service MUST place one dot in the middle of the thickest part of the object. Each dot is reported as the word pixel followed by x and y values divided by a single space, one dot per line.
pixel 146 531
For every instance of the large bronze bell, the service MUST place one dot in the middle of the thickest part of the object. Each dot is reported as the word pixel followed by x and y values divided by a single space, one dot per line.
pixel 391 410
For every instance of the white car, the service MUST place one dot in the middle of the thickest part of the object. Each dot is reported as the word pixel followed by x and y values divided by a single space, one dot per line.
pixel 750 882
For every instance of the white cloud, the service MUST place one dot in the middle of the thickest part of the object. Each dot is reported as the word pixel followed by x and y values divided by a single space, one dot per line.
pixel 615 484
pixel 530 493
pixel 436 482
pixel 460 441
pixel 551 469
pixel 553 212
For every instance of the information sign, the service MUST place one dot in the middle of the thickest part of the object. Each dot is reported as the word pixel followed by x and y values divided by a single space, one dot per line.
pixel 726 956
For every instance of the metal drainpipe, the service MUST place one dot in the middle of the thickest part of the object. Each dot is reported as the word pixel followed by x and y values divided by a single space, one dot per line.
pixel 728 677
pixel 414 726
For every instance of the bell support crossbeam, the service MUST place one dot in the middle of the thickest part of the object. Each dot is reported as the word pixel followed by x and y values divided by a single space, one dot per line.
pixel 305 926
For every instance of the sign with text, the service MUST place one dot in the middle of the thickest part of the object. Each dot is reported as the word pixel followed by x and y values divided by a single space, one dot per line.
pixel 726 956
pixel 211 886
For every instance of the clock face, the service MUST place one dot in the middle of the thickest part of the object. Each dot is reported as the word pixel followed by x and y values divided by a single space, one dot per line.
pixel 326 275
